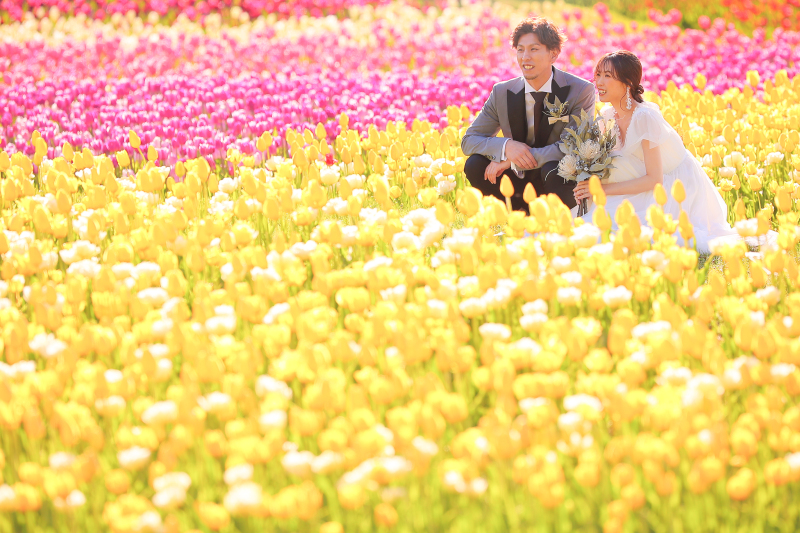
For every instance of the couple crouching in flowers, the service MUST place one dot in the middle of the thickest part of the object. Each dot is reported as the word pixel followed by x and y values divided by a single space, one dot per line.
pixel 648 150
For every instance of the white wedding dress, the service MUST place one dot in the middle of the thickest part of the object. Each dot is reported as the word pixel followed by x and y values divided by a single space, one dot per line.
pixel 703 204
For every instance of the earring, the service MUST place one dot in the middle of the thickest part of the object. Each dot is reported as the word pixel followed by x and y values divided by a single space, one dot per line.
pixel 628 103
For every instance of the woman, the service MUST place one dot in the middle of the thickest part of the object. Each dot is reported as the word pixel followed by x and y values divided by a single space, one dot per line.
pixel 649 151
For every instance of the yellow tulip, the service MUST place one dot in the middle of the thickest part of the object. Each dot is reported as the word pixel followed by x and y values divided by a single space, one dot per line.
pixel 783 201
pixel 134 139
pixel 741 484
pixel 331 527
pixel 700 81
pixel 506 187
pixel 469 202
pixel 213 515
pixel 351 496
pixel 678 192
pixel 660 194
pixel 386 515
pixel 117 481
pixel 66 151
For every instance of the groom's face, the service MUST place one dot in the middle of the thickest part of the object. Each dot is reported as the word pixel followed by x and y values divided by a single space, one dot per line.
pixel 534 59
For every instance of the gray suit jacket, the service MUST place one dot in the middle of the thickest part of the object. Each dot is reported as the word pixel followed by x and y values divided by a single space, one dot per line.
pixel 504 111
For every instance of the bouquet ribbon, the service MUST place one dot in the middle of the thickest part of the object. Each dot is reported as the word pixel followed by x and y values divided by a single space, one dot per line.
pixel 553 120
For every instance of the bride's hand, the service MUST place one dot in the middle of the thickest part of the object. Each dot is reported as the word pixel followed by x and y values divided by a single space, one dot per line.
pixel 581 190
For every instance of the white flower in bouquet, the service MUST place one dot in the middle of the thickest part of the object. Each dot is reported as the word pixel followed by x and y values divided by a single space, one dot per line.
pixel 588 150
pixel 568 166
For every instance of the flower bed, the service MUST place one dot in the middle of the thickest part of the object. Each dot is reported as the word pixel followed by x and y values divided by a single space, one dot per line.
pixel 231 304
pixel 199 89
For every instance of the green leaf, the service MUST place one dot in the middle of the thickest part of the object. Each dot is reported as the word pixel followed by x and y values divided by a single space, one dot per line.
pixel 574 134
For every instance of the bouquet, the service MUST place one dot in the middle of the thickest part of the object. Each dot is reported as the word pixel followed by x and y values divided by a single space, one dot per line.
pixel 587 151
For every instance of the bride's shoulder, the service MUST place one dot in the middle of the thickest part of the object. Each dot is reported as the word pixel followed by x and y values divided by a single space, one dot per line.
pixel 649 114
pixel 648 108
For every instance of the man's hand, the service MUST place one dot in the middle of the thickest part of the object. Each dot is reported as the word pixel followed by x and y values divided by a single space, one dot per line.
pixel 520 154
pixel 496 169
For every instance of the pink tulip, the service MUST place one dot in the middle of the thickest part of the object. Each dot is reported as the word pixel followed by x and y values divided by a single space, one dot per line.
pixel 203 94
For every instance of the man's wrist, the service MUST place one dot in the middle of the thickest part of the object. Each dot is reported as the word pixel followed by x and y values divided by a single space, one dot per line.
pixel 503 152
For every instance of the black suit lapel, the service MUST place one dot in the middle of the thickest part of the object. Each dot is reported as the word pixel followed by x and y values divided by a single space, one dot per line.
pixel 517 119
pixel 545 128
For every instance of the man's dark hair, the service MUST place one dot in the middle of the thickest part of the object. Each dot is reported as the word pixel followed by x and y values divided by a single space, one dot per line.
pixel 548 33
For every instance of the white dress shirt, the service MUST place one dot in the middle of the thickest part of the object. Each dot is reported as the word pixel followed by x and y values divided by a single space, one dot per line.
pixel 529 113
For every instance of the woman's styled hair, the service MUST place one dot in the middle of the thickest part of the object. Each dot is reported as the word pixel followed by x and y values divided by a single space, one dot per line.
pixel 625 67
pixel 548 33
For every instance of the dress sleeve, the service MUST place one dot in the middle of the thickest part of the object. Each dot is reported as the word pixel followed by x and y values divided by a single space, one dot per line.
pixel 649 125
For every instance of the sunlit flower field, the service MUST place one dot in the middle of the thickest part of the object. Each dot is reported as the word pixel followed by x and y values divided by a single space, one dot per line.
pixel 245 286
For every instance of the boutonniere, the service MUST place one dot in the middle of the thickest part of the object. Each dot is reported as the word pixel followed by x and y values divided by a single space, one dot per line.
pixel 556 111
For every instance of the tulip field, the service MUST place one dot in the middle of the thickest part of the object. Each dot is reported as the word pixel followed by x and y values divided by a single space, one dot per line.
pixel 245 285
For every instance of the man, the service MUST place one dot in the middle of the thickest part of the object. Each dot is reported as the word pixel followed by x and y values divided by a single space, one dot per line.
pixel 528 151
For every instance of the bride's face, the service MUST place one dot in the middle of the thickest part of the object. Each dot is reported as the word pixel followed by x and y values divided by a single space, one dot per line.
pixel 609 88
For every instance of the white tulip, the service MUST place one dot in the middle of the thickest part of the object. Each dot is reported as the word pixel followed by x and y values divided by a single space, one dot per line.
pixel 133 458
pixel 169 498
pixel 238 474
pixel 243 498
pixel 111 406
pixel 472 307
pixel 533 322
pixel 618 296
pixel 214 401
pixel 61 460
pixel 494 332
pixel 180 480
pixel 149 522
pixel 8 498
pixel 73 500
pixel 769 295
pixel 160 413
pixel 298 463
pixel 155 296
pixel 568 295
pixel 773 158
pixel 536 306
pixel 266 384
pixel 275 419
pixel 326 462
